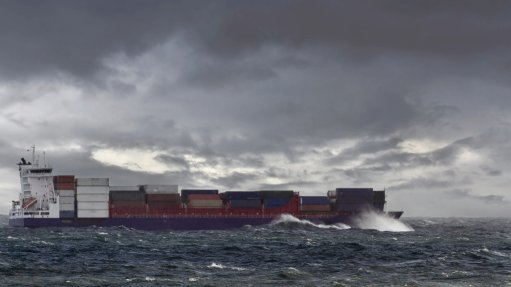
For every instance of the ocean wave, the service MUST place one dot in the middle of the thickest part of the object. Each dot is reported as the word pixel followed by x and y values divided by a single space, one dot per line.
pixel 290 221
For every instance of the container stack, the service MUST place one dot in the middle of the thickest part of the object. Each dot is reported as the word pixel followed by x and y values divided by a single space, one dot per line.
pixel 379 199
pixel 243 199
pixel 204 201
pixel 186 192
pixel 64 186
pixel 314 204
pixel 354 199
pixel 162 199
pixel 276 198
pixel 127 200
pixel 92 197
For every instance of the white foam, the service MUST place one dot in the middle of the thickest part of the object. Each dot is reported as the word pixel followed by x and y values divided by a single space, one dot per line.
pixel 380 222
pixel 288 218
pixel 221 266
pixel 214 265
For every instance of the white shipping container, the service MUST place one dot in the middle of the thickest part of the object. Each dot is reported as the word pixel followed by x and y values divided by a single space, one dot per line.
pixel 66 199
pixel 93 213
pixel 66 192
pixel 91 205
pixel 92 181
pixel 92 197
pixel 152 188
pixel 125 188
pixel 67 206
pixel 92 190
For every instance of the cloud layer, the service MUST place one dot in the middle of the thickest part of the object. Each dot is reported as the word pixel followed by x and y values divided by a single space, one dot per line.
pixel 413 97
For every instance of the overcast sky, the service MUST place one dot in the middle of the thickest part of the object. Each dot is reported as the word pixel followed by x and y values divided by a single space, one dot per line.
pixel 411 96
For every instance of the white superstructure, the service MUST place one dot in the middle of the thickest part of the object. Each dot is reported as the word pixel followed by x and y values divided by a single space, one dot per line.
pixel 37 197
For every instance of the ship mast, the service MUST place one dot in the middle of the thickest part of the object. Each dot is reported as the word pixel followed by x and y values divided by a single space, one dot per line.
pixel 33 154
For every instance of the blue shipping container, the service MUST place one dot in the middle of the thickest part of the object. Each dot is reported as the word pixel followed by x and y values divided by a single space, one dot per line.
pixel 275 202
pixel 314 200
pixel 247 203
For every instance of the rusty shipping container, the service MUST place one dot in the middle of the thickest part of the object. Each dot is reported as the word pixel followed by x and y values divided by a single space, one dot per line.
pixel 198 203
pixel 64 179
pixel 64 186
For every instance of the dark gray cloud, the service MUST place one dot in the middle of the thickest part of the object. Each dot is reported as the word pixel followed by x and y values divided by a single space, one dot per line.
pixel 365 147
pixel 426 183
pixel 75 37
pixel 442 156
pixel 234 180
pixel 492 198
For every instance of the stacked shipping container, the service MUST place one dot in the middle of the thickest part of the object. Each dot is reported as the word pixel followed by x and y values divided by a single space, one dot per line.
pixel 379 199
pixel 127 200
pixel 64 186
pixel 276 198
pixel 162 199
pixel 314 204
pixel 92 197
pixel 354 199
pixel 243 199
pixel 186 192
pixel 204 201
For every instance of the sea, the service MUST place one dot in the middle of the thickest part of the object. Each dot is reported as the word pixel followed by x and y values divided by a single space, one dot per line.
pixel 375 251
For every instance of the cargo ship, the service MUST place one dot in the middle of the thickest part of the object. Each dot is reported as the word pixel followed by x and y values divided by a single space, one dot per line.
pixel 48 200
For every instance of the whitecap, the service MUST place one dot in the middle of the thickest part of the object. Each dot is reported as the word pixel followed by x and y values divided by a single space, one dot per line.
pixel 221 266
pixel 288 218
pixel 380 222
pixel 214 265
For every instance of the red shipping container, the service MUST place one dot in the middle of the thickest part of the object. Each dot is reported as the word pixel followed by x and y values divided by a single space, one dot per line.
pixel 64 178
pixel 163 204
pixel 64 185
pixel 203 197
pixel 128 204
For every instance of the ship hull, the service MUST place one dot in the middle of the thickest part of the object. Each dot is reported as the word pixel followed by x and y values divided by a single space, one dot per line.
pixel 167 223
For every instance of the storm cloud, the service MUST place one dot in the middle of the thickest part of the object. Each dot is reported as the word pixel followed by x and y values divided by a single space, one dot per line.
pixel 304 95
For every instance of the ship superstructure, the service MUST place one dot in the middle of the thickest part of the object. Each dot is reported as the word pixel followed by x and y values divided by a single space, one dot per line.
pixel 37 197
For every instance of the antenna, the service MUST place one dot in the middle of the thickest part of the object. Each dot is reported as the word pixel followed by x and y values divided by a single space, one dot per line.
pixel 33 153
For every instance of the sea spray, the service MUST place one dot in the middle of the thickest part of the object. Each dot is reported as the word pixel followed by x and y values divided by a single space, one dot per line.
pixel 380 222
pixel 286 219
